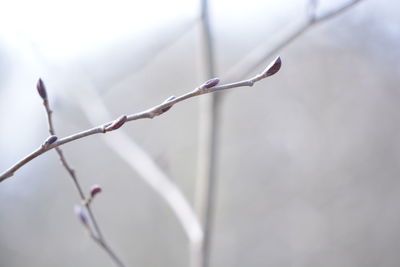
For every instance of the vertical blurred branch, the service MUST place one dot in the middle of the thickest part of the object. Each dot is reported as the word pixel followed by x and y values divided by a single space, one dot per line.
pixel 142 163
pixel 209 125
pixel 207 145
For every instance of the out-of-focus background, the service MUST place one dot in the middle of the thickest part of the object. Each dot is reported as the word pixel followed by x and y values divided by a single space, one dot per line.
pixel 308 171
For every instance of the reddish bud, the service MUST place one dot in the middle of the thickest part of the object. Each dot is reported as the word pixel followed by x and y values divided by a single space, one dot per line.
pixel 273 67
pixel 50 140
pixel 210 83
pixel 94 190
pixel 117 123
pixel 81 215
pixel 41 88
pixel 166 101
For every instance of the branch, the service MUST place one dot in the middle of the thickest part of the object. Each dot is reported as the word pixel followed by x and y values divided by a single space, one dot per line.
pixel 206 88
pixel 260 54
pixel 43 94
pixel 142 163
pixel 96 235
pixel 99 240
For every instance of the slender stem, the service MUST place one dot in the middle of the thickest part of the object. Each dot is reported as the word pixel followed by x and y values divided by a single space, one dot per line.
pixel 99 239
pixel 94 221
pixel 147 114
pixel 97 236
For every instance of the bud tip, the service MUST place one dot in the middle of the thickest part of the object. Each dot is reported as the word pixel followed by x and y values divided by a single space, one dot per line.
pixel 41 88
pixel 95 189
pixel 50 140
pixel 273 67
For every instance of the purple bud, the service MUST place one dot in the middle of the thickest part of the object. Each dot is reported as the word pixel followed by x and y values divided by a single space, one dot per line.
pixel 81 215
pixel 273 67
pixel 94 190
pixel 50 140
pixel 166 101
pixel 41 88
pixel 210 83
pixel 117 123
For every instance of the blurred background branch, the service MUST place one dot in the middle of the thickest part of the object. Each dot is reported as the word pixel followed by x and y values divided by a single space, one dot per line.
pixel 207 141
pixel 264 51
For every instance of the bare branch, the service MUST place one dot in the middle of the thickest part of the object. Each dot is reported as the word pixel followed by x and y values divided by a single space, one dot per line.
pixel 80 213
pixel 209 128
pixel 147 114
pixel 96 235
pixel 261 53
pixel 337 11
pixel 43 93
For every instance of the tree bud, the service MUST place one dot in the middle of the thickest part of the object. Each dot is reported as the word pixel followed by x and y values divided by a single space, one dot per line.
pixel 41 88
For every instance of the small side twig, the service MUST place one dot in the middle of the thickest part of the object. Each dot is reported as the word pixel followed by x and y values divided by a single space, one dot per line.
pixel 147 114
pixel 96 235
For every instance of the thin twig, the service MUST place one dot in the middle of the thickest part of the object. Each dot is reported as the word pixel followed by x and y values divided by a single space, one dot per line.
pixel 60 153
pixel 100 241
pixel 147 114
pixel 96 235
pixel 261 53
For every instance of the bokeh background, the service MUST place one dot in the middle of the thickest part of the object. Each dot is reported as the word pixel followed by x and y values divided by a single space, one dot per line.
pixel 308 164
